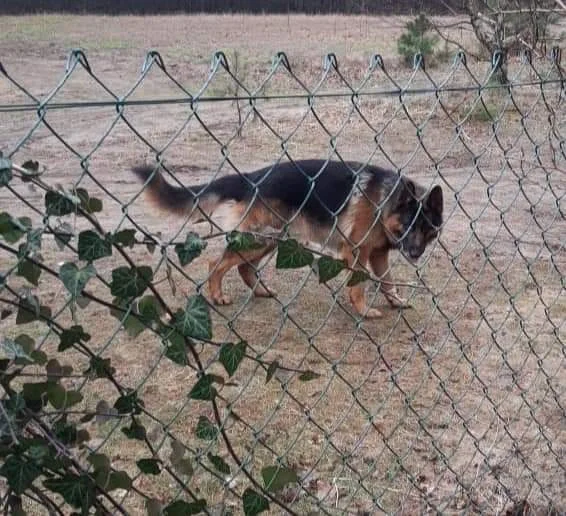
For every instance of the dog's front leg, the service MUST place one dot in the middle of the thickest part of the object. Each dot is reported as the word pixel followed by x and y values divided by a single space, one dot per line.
pixel 379 261
pixel 357 292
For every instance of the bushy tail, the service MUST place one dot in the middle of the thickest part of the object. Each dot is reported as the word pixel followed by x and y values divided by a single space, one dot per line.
pixel 174 198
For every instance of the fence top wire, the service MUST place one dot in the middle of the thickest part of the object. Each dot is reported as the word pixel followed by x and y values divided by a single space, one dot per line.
pixel 280 62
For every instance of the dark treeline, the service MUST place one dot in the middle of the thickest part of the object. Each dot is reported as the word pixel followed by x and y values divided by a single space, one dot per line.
pixel 231 6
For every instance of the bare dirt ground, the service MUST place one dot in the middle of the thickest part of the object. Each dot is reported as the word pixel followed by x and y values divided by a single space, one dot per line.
pixel 457 403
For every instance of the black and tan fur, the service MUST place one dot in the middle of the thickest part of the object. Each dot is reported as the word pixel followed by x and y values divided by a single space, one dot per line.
pixel 360 212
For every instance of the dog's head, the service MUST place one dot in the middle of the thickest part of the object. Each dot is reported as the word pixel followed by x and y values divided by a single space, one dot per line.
pixel 420 218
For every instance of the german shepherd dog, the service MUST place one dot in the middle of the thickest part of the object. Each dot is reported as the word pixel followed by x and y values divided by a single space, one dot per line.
pixel 361 212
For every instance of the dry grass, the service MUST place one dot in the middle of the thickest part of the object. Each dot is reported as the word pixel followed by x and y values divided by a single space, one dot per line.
pixel 458 402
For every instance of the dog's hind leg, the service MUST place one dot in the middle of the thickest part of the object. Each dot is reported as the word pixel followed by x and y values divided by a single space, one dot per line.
pixel 219 267
pixel 248 272
pixel 379 261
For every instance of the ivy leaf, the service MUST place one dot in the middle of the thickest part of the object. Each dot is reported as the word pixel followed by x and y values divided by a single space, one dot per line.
pixel 175 349
pixel 190 249
pixel 118 480
pixel 100 368
pixel 329 268
pixel 231 355
pixel 125 237
pixel 358 277
pixel 307 376
pixel 203 389
pixel 206 430
pixel 20 473
pixel 182 508
pixel 128 404
pixel 58 204
pixel 99 461
pixel 29 270
pixel 194 321
pixel 71 336
pixel 13 229
pixel 149 466
pixel 271 370
pixel 78 491
pixel 254 503
pixel 219 463
pixel 88 203
pixel 5 171
pixel 242 241
pixel 153 507
pixel 149 309
pixel 12 350
pixel 63 234
pixel 130 281
pixel 30 310
pixel 92 247
pixel 276 478
pixel 61 398
pixel 292 255
pixel 135 431
pixel 75 279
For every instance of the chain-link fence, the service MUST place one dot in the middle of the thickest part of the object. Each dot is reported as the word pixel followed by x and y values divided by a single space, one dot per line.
pixel 126 389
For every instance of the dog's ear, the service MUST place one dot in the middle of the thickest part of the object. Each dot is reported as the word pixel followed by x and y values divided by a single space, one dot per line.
pixel 408 192
pixel 435 204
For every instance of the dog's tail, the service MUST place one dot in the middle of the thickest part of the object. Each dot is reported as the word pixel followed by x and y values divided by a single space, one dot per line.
pixel 177 199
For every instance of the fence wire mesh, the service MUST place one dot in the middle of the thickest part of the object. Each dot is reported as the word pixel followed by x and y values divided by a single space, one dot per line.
pixel 454 405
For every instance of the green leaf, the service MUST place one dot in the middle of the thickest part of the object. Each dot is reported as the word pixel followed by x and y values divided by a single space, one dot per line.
pixel 271 370
pixel 276 478
pixel 189 250
pixel 242 241
pixel 99 461
pixel 12 350
pixel 292 255
pixel 205 429
pixel 34 391
pixel 135 431
pixel 203 389
pixel 149 309
pixel 92 246
pixel 29 270
pixel 128 404
pixel 88 203
pixel 61 398
pixel 71 336
pixel 125 237
pixel 176 349
pixel 231 355
pixel 219 463
pixel 13 229
pixel 5 171
pixel 58 204
pixel 254 503
pixel 329 268
pixel 20 473
pixel 63 234
pixel 195 321
pixel 358 277
pixel 75 279
pixel 118 480
pixel 153 507
pixel 77 491
pixel 130 281
pixel 182 508
pixel 149 466
pixel 307 376
pixel 100 368
pixel 29 310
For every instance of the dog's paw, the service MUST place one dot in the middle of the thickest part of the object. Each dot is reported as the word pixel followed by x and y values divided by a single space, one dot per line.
pixel 261 291
pixel 373 313
pixel 397 301
pixel 222 300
